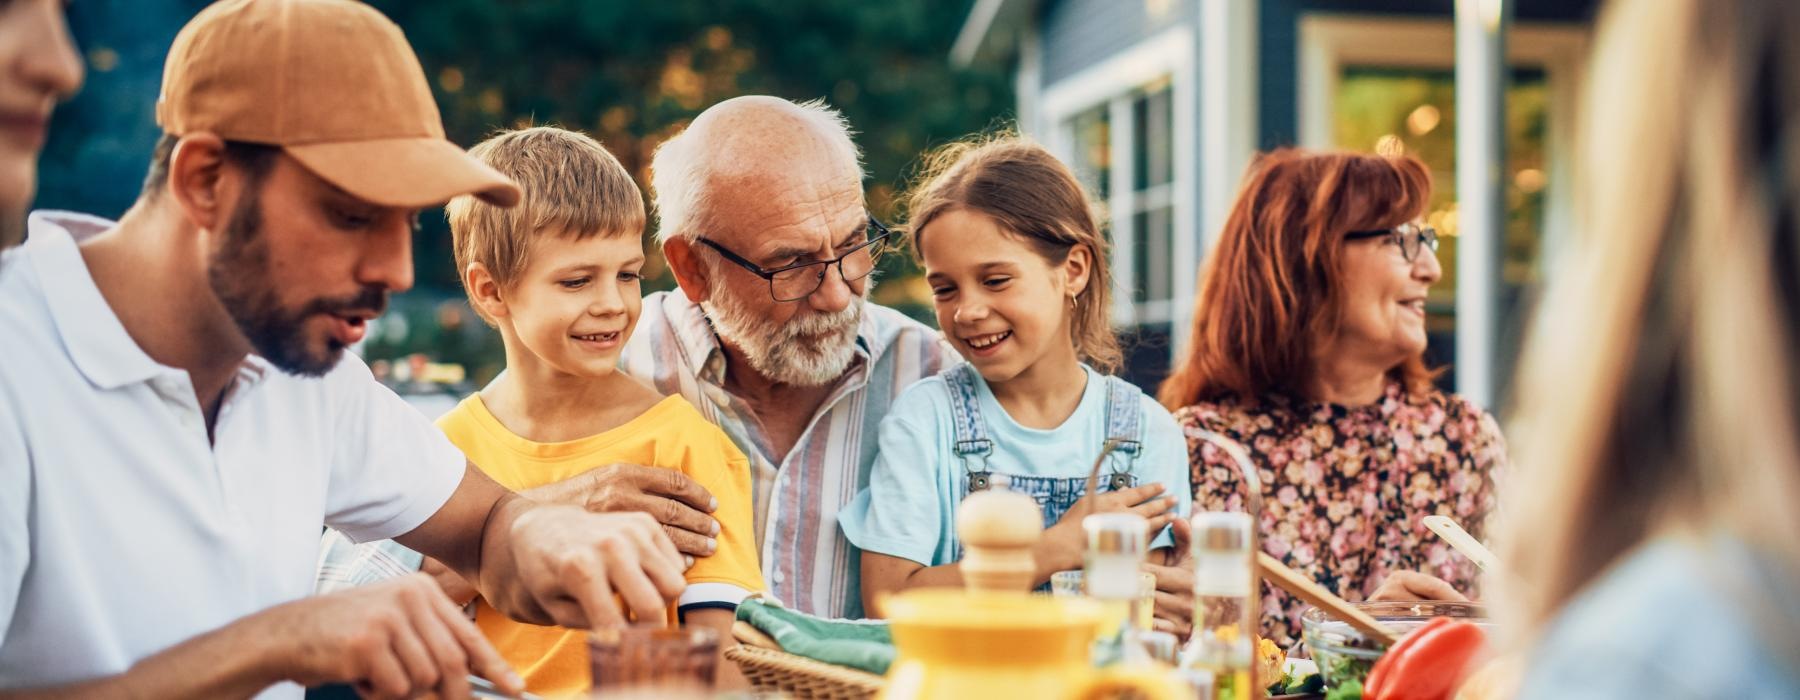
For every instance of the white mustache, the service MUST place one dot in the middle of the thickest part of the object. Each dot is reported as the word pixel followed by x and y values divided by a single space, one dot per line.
pixel 775 350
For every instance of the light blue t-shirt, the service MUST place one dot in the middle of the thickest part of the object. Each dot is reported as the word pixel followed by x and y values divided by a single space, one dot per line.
pixel 1682 617
pixel 909 507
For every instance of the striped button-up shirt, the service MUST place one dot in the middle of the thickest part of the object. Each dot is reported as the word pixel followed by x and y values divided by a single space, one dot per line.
pixel 806 562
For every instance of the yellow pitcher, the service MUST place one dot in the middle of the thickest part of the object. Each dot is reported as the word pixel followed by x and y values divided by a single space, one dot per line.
pixel 987 645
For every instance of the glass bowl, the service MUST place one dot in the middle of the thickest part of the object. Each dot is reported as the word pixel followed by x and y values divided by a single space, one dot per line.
pixel 1344 655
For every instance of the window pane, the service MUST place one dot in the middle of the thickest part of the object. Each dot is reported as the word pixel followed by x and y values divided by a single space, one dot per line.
pixel 1153 233
pixel 1153 116
pixel 1093 150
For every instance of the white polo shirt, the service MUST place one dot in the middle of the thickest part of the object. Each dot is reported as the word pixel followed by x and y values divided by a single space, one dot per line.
pixel 123 531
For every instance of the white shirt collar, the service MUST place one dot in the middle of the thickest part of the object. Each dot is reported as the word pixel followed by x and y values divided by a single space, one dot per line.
pixel 90 329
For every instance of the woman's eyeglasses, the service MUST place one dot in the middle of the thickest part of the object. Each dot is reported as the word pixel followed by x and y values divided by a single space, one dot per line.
pixel 1410 237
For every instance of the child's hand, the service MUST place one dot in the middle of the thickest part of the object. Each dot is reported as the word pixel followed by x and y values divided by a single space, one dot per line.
pixel 455 586
pixel 1061 546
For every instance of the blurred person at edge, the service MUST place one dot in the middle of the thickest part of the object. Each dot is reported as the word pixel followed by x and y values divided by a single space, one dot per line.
pixel 38 67
pixel 1308 349
pixel 178 417
pixel 1651 534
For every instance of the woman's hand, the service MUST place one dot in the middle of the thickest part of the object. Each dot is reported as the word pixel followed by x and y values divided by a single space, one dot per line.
pixel 1175 583
pixel 1061 546
pixel 1414 585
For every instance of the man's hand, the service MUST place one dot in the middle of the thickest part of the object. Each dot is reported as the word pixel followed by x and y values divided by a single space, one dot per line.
pixel 395 639
pixel 400 638
pixel 1061 546
pixel 563 565
pixel 665 494
pixel 1414 585
pixel 1175 583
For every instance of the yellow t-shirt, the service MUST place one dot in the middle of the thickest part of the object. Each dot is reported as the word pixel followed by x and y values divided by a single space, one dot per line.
pixel 553 660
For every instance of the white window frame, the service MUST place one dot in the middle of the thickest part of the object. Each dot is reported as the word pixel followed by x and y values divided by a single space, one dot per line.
pixel 1328 42
pixel 1115 83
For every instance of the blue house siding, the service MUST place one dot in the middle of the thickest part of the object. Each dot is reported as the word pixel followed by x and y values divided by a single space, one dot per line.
pixel 1076 34
pixel 1277 73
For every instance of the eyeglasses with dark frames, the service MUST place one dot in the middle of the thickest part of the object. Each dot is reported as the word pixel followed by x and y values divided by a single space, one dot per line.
pixel 799 280
pixel 1410 237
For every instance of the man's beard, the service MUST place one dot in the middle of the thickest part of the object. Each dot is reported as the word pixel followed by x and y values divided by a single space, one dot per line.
pixel 239 274
pixel 810 350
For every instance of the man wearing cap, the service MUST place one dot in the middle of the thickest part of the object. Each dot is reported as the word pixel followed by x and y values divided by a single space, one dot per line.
pixel 178 417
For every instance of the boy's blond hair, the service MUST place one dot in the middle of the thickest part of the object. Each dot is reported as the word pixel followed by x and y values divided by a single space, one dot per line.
pixel 572 187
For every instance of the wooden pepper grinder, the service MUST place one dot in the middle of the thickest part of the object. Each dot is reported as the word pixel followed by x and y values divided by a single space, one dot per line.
pixel 998 528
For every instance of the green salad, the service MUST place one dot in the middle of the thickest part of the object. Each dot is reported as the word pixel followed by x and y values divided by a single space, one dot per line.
pixel 1348 691
pixel 1292 683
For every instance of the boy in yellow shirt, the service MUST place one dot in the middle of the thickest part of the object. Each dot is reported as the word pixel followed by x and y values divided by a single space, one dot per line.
pixel 558 277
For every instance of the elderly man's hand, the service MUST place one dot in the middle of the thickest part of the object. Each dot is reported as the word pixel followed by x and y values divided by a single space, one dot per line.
pixel 567 564
pixel 674 500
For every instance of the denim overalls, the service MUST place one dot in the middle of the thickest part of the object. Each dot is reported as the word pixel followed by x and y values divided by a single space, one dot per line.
pixel 1054 495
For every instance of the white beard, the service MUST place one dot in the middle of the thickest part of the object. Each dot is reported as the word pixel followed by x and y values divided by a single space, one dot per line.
pixel 809 350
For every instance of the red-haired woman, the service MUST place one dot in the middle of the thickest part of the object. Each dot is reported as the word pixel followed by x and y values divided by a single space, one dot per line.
pixel 1308 348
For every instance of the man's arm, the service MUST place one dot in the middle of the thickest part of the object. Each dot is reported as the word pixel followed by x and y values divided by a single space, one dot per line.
pixel 233 662
pixel 548 563
pixel 397 638
pixel 394 476
pixel 455 534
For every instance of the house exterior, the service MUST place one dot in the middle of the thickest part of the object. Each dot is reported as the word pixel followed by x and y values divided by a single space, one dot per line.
pixel 1159 105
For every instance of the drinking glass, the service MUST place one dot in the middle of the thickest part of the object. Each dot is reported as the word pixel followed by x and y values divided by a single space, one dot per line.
pixel 660 657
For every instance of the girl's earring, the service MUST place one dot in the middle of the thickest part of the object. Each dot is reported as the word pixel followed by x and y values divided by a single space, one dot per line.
pixel 1072 306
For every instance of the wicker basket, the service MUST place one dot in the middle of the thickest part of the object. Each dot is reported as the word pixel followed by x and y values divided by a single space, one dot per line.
pixel 805 679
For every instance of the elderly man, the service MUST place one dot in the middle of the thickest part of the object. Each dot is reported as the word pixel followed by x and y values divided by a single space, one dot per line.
pixel 38 66
pixel 178 417
pixel 763 222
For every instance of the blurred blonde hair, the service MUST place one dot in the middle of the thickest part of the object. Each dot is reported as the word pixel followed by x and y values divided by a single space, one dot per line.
pixel 1659 392
pixel 572 187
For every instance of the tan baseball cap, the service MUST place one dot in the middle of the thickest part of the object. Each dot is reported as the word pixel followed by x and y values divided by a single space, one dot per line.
pixel 335 85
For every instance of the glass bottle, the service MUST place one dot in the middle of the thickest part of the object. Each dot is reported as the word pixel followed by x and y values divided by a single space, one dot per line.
pixel 1113 564
pixel 1220 658
pixel 1113 561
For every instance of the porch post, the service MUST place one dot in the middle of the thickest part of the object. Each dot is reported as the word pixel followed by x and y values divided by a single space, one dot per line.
pixel 1227 139
pixel 1481 77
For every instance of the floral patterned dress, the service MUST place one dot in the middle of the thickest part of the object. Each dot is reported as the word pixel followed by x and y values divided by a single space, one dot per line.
pixel 1346 489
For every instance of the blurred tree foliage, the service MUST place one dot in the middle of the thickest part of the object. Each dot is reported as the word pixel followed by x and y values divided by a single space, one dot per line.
pixel 630 73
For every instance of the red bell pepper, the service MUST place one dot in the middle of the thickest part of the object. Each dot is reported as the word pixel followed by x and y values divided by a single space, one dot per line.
pixel 1427 663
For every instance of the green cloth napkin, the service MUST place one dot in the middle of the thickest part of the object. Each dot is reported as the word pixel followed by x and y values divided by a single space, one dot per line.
pixel 859 644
